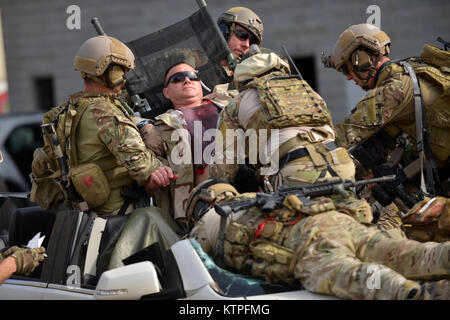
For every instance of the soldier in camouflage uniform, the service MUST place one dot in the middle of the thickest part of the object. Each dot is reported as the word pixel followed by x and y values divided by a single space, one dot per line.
pixel 330 247
pixel 298 127
pixel 172 136
pixel 321 248
pixel 94 127
pixel 106 157
pixel 241 27
pixel 361 53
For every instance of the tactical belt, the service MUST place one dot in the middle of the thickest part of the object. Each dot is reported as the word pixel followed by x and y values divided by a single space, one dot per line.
pixel 300 153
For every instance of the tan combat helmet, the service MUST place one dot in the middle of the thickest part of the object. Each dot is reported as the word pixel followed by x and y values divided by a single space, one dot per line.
pixel 204 195
pixel 243 17
pixel 102 54
pixel 355 48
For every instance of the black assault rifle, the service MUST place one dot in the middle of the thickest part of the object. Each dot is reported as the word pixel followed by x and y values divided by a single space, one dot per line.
pixel 268 202
pixel 368 153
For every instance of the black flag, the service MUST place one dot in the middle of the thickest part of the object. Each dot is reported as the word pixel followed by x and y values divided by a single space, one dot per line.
pixel 155 53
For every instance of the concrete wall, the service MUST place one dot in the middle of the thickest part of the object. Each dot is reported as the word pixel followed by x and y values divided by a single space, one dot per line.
pixel 38 42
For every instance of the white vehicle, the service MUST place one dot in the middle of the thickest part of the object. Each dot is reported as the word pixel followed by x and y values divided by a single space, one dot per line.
pixel 182 272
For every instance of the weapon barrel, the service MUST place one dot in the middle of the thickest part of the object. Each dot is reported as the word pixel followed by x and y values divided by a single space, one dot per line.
pixel 376 180
pixel 225 208
pixel 98 26
pixel 201 3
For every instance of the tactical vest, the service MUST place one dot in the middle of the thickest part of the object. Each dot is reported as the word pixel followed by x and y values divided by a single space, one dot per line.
pixel 266 246
pixel 288 101
pixel 92 181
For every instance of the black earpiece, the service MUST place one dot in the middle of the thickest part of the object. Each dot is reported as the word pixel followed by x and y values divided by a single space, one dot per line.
pixel 115 75
pixel 362 59
pixel 225 29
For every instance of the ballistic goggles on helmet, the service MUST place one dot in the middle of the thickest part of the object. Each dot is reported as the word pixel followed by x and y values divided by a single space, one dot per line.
pixel 244 35
pixel 181 76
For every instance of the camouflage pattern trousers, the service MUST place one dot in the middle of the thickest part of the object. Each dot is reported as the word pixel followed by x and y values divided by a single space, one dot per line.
pixel 338 256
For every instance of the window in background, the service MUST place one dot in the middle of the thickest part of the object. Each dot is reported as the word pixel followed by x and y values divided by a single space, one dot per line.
pixel 44 92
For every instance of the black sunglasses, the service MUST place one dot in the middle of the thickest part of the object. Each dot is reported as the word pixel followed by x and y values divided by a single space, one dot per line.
pixel 244 35
pixel 181 76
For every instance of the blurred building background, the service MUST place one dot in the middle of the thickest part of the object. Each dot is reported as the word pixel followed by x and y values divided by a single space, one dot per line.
pixel 39 46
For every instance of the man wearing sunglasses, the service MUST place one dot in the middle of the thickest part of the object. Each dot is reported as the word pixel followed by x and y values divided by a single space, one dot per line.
pixel 173 136
pixel 403 97
pixel 241 28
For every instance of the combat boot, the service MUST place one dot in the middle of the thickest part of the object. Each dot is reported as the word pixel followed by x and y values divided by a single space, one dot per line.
pixel 410 290
pixel 435 290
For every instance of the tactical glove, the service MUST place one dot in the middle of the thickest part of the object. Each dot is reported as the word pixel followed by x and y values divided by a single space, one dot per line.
pixel 27 259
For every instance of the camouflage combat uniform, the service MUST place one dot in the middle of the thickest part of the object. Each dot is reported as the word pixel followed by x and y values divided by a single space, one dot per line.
pixel 326 247
pixel 390 105
pixel 106 136
pixel 322 250
pixel 157 138
pixel 311 131
pixel 26 259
